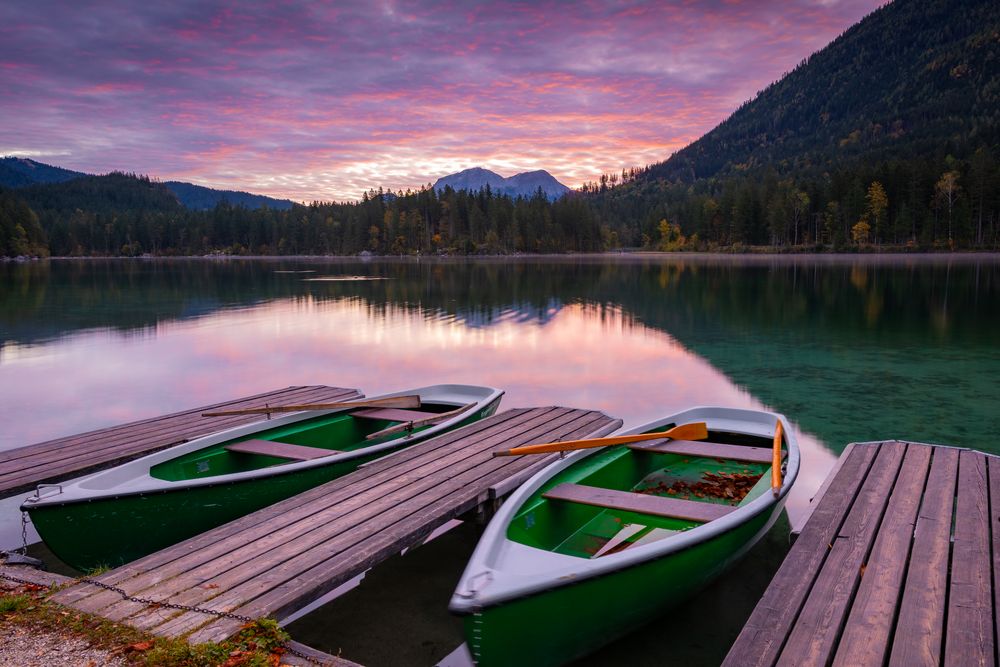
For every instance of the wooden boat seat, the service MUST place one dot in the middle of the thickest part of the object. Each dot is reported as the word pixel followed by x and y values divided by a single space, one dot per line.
pixel 703 449
pixel 392 414
pixel 674 508
pixel 281 450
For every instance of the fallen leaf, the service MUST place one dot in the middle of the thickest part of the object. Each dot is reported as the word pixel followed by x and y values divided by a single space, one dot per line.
pixel 141 646
pixel 209 586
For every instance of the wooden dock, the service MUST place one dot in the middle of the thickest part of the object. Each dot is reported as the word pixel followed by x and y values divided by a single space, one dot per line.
pixel 897 565
pixel 22 469
pixel 277 560
pixel 299 655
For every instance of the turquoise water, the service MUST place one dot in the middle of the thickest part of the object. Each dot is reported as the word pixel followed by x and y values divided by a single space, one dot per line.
pixel 850 349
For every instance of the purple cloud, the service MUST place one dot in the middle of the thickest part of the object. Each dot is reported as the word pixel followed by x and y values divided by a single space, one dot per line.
pixel 322 100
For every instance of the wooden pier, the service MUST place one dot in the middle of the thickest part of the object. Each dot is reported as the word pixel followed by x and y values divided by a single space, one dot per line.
pixel 896 565
pixel 277 560
pixel 299 655
pixel 22 469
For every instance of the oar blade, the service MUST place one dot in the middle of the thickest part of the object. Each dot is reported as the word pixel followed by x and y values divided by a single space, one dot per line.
pixel 693 431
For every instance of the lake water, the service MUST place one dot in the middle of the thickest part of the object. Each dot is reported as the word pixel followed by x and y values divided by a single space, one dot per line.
pixel 849 348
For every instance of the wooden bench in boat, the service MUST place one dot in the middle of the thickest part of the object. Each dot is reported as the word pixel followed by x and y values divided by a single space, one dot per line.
pixel 673 508
pixel 703 449
pixel 393 414
pixel 283 450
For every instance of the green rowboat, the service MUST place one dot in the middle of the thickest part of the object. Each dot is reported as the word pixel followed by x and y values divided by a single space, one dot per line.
pixel 601 541
pixel 118 515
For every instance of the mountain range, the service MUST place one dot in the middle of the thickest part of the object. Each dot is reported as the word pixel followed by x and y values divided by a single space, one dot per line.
pixel 18 172
pixel 525 184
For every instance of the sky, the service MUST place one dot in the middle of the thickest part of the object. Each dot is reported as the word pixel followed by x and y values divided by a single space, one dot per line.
pixel 324 100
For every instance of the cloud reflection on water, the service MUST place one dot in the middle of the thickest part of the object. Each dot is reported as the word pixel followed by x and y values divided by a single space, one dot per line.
pixel 579 355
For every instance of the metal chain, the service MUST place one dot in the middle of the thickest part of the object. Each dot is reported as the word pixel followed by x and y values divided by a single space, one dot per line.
pixel 18 580
pixel 24 533
pixel 184 607
pixel 168 605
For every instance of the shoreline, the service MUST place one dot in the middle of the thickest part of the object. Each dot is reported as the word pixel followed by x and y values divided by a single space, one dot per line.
pixel 639 255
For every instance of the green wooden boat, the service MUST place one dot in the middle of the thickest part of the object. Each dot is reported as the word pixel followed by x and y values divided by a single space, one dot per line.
pixel 601 541
pixel 121 514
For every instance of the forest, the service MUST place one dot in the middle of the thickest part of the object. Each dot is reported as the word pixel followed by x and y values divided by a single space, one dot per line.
pixel 927 203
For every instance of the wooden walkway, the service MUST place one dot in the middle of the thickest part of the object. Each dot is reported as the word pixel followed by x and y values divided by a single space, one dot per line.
pixel 279 559
pixel 57 460
pixel 11 577
pixel 895 566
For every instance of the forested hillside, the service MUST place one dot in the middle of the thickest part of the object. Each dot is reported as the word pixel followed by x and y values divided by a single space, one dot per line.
pixel 889 135
pixel 914 78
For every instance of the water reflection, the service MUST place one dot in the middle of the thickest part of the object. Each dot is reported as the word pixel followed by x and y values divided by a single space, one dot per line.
pixel 850 349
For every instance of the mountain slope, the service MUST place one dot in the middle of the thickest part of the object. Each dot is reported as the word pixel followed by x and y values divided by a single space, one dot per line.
pixel 913 76
pixel 524 184
pixel 16 172
pixel 22 172
pixel 199 197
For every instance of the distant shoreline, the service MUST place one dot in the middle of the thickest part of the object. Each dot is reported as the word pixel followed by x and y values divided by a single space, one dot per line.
pixel 644 255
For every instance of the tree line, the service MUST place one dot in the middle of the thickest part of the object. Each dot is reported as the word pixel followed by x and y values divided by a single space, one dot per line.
pixel 926 203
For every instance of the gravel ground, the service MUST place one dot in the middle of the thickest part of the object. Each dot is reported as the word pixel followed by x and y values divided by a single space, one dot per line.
pixel 25 647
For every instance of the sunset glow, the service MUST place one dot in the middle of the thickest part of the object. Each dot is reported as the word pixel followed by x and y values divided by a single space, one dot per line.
pixel 325 100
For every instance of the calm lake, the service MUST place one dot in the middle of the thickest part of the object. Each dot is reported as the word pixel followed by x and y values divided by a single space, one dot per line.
pixel 849 348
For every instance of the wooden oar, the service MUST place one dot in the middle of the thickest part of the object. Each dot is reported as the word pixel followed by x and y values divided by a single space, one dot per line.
pixel 406 426
pixel 410 401
pixel 695 431
pixel 779 431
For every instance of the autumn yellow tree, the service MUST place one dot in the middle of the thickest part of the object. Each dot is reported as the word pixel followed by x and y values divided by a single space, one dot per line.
pixel 671 237
pixel 860 232
pixel 878 204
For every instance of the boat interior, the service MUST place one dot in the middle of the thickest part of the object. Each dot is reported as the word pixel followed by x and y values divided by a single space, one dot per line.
pixel 301 441
pixel 630 495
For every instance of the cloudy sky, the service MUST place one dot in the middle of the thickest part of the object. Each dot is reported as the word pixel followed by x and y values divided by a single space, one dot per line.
pixel 323 100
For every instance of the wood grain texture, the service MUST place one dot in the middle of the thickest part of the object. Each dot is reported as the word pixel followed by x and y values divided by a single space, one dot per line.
pixel 708 450
pixel 867 633
pixel 920 625
pixel 817 629
pixel 764 634
pixel 969 632
pixel 676 508
pixel 281 450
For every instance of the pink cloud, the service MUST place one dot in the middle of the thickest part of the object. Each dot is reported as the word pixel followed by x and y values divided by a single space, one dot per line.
pixel 308 101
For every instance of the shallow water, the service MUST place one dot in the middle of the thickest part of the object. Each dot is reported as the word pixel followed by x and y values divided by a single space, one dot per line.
pixel 850 349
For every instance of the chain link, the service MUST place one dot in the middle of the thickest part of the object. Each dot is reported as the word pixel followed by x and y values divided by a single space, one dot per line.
pixel 168 605
pixel 18 580
pixel 24 533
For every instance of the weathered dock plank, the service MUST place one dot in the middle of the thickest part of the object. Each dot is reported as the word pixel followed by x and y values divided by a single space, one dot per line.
pixel 908 579
pixel 23 468
pixel 969 633
pixel 278 560
pixel 866 635
pixel 764 634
